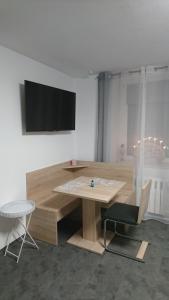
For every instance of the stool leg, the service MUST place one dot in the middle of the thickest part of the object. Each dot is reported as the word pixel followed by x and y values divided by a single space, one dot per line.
pixel 34 243
pixel 23 240
pixel 24 237
pixel 7 244
pixel 8 238
pixel 27 232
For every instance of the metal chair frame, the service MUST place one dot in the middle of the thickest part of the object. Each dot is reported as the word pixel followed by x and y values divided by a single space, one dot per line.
pixel 142 209
pixel 121 253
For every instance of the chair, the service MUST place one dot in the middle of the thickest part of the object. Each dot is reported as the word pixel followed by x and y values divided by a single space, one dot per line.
pixel 121 213
pixel 17 210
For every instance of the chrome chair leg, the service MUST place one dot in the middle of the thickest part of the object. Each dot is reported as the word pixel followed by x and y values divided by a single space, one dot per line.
pixel 121 253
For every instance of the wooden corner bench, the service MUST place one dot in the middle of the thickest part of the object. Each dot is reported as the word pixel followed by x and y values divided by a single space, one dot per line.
pixel 51 207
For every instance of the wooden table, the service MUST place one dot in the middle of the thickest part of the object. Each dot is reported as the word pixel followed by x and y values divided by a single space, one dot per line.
pixel 90 237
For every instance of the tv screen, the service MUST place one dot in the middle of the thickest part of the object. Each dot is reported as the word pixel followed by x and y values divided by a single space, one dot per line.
pixel 48 108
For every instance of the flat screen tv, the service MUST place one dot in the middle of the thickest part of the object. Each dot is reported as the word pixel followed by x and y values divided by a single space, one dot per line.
pixel 48 108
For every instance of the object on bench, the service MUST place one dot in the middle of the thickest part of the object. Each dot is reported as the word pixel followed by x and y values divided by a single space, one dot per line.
pixel 17 210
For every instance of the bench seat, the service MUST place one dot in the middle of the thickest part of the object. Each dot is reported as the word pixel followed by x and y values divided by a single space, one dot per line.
pixel 48 213
pixel 61 204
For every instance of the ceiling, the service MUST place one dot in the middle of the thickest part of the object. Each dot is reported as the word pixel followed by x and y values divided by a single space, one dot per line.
pixel 80 37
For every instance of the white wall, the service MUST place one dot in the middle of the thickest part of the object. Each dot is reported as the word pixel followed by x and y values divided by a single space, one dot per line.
pixel 86 118
pixel 22 153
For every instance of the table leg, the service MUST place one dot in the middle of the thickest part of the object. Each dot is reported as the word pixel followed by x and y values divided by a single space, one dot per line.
pixel 91 220
pixel 90 237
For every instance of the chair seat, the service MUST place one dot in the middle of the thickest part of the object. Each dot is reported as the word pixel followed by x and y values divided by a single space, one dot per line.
pixel 123 213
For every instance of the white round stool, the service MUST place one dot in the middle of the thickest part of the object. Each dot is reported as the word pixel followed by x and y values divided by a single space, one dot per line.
pixel 17 210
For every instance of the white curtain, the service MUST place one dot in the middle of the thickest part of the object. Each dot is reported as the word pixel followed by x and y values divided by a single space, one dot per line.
pixel 139 131
pixel 156 144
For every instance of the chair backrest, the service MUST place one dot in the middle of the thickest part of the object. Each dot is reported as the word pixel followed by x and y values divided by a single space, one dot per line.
pixel 145 195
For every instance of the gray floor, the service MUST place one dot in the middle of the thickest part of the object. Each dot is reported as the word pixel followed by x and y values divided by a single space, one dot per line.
pixel 69 273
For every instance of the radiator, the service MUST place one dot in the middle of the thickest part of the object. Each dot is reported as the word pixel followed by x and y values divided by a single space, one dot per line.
pixel 159 196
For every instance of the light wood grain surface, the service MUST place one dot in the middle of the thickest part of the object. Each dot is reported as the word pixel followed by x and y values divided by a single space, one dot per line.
pixel 145 196
pixel 142 250
pixel 52 206
pixel 93 246
pixel 80 187
pixel 103 191
pixel 78 166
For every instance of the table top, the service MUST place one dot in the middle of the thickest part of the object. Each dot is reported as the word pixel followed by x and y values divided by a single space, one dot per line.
pixel 104 190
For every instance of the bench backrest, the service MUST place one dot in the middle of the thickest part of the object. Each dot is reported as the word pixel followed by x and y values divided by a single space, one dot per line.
pixel 115 171
pixel 145 196
pixel 40 183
